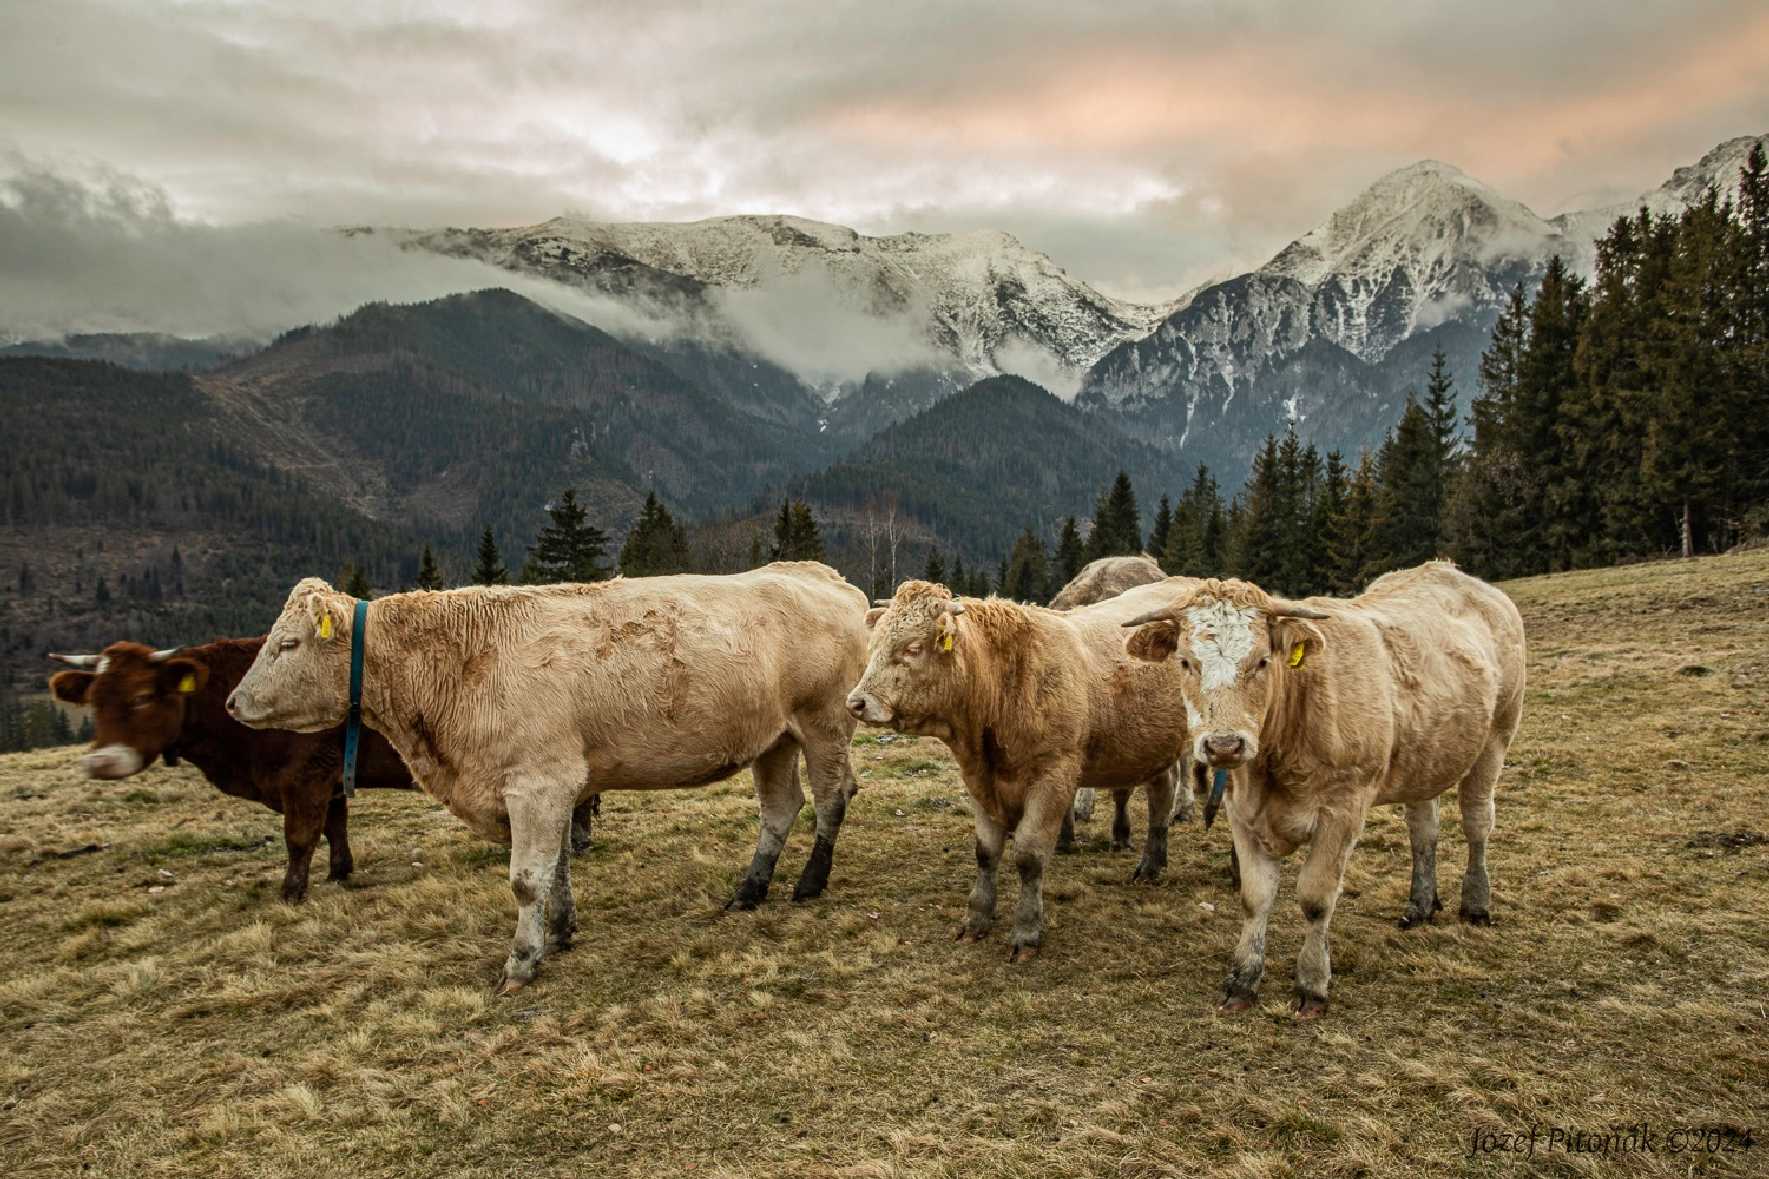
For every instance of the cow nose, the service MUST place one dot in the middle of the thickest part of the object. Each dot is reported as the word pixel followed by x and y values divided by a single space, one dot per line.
pixel 1224 745
pixel 857 704
pixel 233 703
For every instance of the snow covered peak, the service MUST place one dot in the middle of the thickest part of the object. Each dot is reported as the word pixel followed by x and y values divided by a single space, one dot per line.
pixel 980 301
pixel 1424 219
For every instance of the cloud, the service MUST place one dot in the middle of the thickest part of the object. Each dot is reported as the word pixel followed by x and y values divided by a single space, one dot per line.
pixel 1208 133
pixel 107 252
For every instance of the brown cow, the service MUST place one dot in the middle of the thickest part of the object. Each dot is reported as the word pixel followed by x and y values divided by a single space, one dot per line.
pixel 149 704
pixel 1098 580
pixel 513 703
pixel 1033 703
pixel 1328 708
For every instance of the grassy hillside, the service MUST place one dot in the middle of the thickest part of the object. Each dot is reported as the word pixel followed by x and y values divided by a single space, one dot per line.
pixel 164 1015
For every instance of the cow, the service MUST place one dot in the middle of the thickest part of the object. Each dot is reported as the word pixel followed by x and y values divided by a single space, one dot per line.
pixel 1033 703
pixel 512 704
pixel 1098 580
pixel 1327 707
pixel 169 704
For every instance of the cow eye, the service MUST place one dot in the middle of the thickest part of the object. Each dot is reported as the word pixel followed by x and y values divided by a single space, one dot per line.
pixel 1184 663
pixel 912 649
pixel 1261 664
pixel 288 644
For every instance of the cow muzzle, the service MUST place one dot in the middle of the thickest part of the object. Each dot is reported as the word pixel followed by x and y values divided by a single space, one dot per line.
pixel 1224 749
pixel 868 709
pixel 239 707
pixel 111 762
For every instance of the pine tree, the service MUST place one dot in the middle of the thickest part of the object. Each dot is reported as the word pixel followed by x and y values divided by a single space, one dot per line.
pixel 657 545
pixel 1163 524
pixel 796 536
pixel 1351 539
pixel 101 593
pixel 570 549
pixel 1329 505
pixel 960 581
pixel 356 584
pixel 429 576
pixel 1117 527
pixel 1409 476
pixel 1027 576
pixel 1070 555
pixel 1258 542
pixel 935 571
pixel 490 569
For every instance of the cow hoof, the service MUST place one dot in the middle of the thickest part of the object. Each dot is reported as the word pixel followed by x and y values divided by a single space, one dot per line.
pixel 1122 847
pixel 970 933
pixel 579 846
pixel 509 986
pixel 1476 916
pixel 1145 874
pixel 1310 1006
pixel 1235 1004
pixel 1066 849
pixel 1412 919
pixel 1022 954
pixel 747 897
pixel 293 895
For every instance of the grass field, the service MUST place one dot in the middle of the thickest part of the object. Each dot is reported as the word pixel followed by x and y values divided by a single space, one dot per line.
pixel 162 1013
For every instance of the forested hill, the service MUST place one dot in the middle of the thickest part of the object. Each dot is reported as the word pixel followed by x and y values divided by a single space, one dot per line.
pixel 474 409
pixel 127 512
pixel 988 462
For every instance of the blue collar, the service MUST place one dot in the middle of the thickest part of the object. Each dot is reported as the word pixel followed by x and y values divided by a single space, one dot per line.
pixel 1218 784
pixel 353 724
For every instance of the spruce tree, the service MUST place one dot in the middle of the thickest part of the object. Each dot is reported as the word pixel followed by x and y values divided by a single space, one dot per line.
pixel 570 549
pixel 1117 528
pixel 1071 554
pixel 657 545
pixel 1027 576
pixel 429 576
pixel 356 583
pixel 1409 475
pixel 490 569
pixel 1163 523
pixel 935 570
pixel 960 580
pixel 1258 555
pixel 1351 532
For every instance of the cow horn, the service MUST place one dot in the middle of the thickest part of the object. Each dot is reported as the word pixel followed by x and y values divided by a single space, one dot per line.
pixel 884 602
pixel 162 656
pixel 955 607
pixel 1164 614
pixel 1292 610
pixel 87 662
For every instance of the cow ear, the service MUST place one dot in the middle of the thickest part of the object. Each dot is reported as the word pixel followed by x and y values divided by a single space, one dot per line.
pixel 326 620
pixel 183 677
pixel 873 615
pixel 71 687
pixel 1296 641
pixel 1154 641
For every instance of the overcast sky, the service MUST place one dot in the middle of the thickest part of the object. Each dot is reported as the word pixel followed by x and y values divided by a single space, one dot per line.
pixel 1144 146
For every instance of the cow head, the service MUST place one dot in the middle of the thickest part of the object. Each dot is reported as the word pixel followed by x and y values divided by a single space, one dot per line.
pixel 300 680
pixel 912 661
pixel 138 698
pixel 1235 643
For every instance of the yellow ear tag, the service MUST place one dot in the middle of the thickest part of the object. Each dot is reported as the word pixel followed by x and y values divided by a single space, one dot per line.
pixel 1296 653
pixel 946 643
pixel 188 684
pixel 325 626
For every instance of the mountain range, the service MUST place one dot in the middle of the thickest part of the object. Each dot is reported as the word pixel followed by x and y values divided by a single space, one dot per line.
pixel 728 362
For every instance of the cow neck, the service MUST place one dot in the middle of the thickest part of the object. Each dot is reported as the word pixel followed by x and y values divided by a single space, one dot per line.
pixel 210 739
pixel 1285 738
pixel 992 683
pixel 409 669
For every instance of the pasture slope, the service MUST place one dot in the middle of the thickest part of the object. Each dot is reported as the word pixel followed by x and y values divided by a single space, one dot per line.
pixel 163 1014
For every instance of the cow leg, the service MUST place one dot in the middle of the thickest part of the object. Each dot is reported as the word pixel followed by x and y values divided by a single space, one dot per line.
pixel 1034 840
pixel 1121 821
pixel 779 797
pixel 303 821
pixel 832 783
pixel 561 904
pixel 1154 854
pixel 1259 891
pixel 1065 840
pixel 338 839
pixel 1083 808
pixel 1182 793
pixel 583 823
pixel 1317 892
pixel 1422 827
pixel 538 823
pixel 1477 824
pixel 991 838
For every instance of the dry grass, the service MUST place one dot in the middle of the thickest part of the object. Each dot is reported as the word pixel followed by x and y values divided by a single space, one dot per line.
pixel 163 1014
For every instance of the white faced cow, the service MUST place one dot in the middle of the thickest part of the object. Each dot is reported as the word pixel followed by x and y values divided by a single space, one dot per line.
pixel 1328 708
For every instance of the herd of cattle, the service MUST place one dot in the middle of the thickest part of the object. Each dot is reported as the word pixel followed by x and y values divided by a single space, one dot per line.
pixel 517 706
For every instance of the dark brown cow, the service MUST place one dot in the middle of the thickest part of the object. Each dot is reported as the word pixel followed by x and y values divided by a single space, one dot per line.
pixel 151 704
